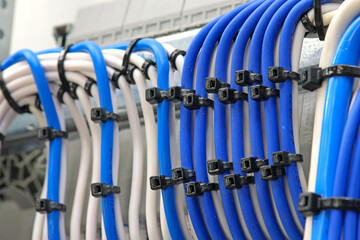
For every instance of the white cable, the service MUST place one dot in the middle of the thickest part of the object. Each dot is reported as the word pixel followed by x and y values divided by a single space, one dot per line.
pixel 84 167
pixel 39 218
pixel 138 153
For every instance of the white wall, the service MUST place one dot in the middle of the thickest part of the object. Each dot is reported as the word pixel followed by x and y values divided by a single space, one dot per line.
pixel 34 21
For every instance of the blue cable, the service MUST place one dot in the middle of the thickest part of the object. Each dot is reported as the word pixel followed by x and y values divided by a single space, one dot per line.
pixel 271 118
pixel 287 137
pixel 49 50
pixel 246 24
pixel 255 124
pixel 348 52
pixel 186 141
pixel 201 122
pixel 53 122
pixel 107 136
pixel 336 107
pixel 353 189
pixel 162 63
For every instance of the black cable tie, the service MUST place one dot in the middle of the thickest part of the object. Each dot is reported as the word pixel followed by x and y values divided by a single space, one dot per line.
pixel 89 83
pixel 313 76
pixel 262 93
pixel 2 137
pixel 38 102
pixel 271 172
pixel 234 181
pixel 230 95
pixel 155 95
pixel 101 115
pixel 181 175
pixel 252 164
pixel 280 75
pixel 60 94
pixel 72 92
pixel 11 101
pixel 247 78
pixel 308 25
pixel 311 204
pixel 61 68
pixel 49 133
pixel 212 84
pixel 129 75
pixel 319 24
pixel 126 60
pixel 145 67
pixel 174 55
pixel 103 190
pixel 193 101
pixel 177 93
pixel 160 182
pixel 193 189
pixel 217 166
pixel 47 206
pixel 115 77
pixel 73 87
pixel 283 158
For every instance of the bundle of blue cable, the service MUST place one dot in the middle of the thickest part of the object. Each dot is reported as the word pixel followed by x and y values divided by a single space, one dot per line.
pixel 271 119
pixel 186 141
pixel 246 24
pixel 200 125
pixel 53 122
pixel 271 116
pixel 287 137
pixel 337 143
pixel 163 108
pixel 254 111
pixel 353 191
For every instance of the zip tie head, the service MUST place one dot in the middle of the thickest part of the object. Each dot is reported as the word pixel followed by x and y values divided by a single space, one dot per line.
pixel 212 84
pixel 217 166
pixel 270 172
pixel 193 101
pixel 247 78
pixel 101 115
pixel 235 181
pixel 229 95
pixel 193 189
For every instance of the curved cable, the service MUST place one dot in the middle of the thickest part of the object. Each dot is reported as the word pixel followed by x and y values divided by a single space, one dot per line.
pixel 246 25
pixel 271 118
pixel 186 141
pixel 201 118
pixel 163 132
pixel 107 136
pixel 53 121
pixel 335 115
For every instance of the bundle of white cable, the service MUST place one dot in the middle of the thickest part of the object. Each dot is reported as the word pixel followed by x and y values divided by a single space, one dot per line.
pixel 78 67
pixel 76 211
pixel 81 66
pixel 151 135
